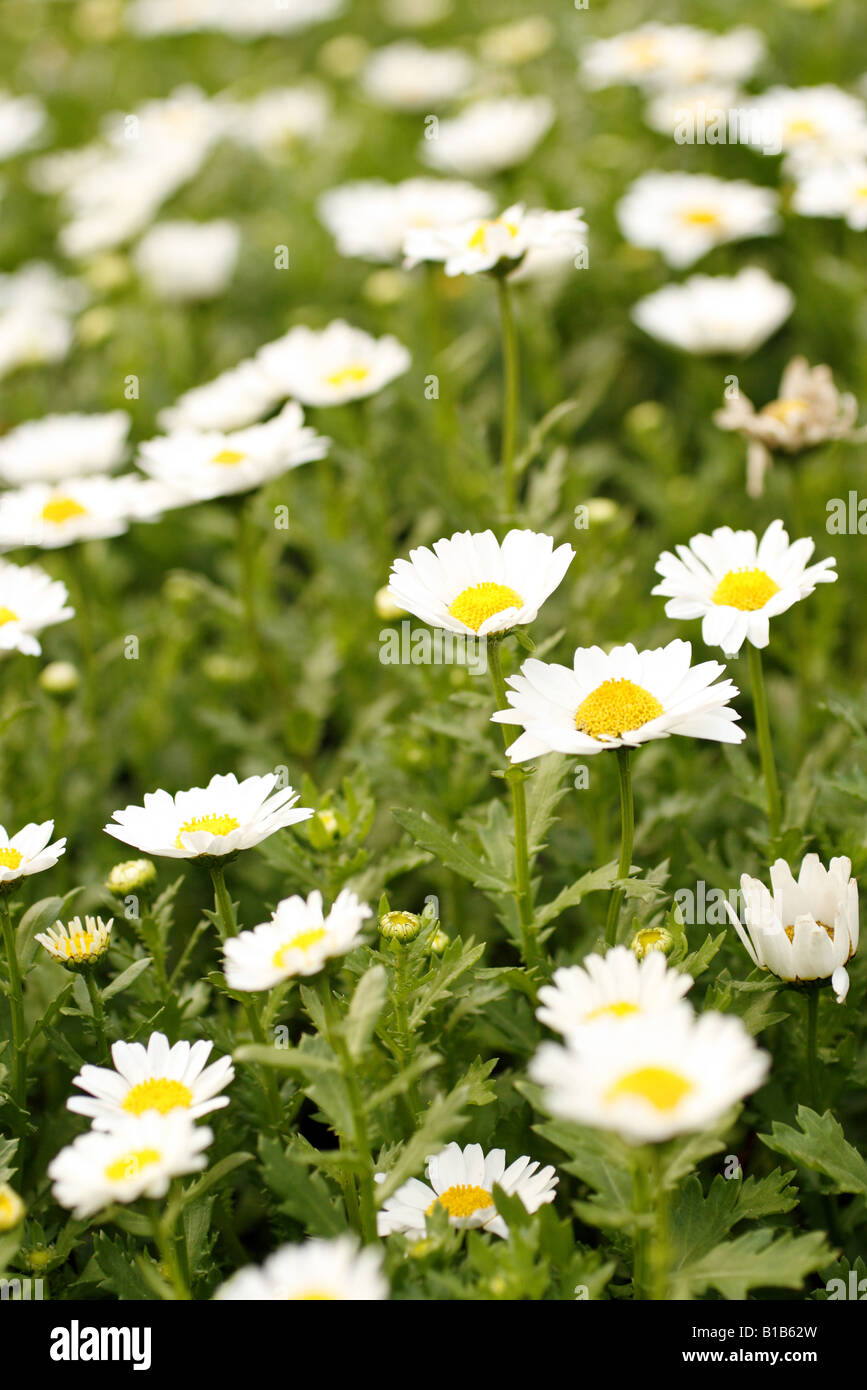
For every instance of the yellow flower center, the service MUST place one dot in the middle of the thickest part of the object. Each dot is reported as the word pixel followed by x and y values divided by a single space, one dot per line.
pixel 10 858
pixel 228 457
pixel 348 376
pixel 644 51
pixel 745 589
pixel 619 1010
pixel 129 1165
pixel 659 1086
pixel 212 823
pixel 475 605
pixel 786 407
pixel 7 615
pixel 701 217
pixel 314 1296
pixel 302 942
pixel 463 1200
pixel 615 707
pixel 158 1093
pixel 79 946
pixel 800 129
pixel 479 239
pixel 59 509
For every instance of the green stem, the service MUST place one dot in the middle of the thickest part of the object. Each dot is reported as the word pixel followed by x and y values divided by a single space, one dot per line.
pixel 659 1250
pixel 168 1248
pixel 640 1203
pixel 225 915
pixel 812 1044
pixel 627 837
pixel 16 1006
pixel 401 1018
pixel 515 777
pixel 766 747
pixel 361 1141
pixel 98 1014
pixel 510 393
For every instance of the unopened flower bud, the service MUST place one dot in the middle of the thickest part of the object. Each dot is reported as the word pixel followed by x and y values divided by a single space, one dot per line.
pixel 651 939
pixel 400 926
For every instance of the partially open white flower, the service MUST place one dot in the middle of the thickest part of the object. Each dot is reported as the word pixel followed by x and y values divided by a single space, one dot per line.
pixel 736 583
pixel 182 261
pixel 280 118
pixel 407 76
pixel 22 123
pixel 621 698
pixel 489 136
pixel 683 216
pixel 298 940
pixel 472 584
pixel 212 464
pixel 222 818
pixel 807 929
pixel 333 366
pixel 238 397
pixel 77 944
pixel 371 218
pixel 36 310
pixel 614 986
pixel 138 1158
pixel 315 1271
pixel 654 1076
pixel 716 313
pixel 480 244
pixel 57 447
pixel 28 851
pixel 809 410
pixel 154 1077
pixel 462 1181
pixel 30 600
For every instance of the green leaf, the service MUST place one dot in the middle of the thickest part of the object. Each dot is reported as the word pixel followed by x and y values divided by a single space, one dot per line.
pixel 821 1146
pixel 123 1276
pixel 126 977
pixel 215 1175
pixel 449 849
pixel 596 881
pixel 367 1004
pixel 756 1260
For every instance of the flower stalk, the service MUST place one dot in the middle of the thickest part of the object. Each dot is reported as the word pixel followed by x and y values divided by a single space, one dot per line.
pixel 766 747
pixel 516 777
pixel 627 838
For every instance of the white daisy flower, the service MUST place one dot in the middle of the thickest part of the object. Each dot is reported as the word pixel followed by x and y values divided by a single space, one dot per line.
pixel 28 851
pixel 222 818
pixel 238 397
pixel 36 310
pixel 156 1077
pixel 22 124
pixel 30 600
pixel 811 125
pixel 333 366
pixel 480 244
pixel 716 313
pixel 683 216
pixel 736 583
pixel 254 19
pixel 621 698
pixel 489 136
pixel 76 509
pixel 462 1181
pixel 138 1158
pixel 280 118
pixel 316 1271
pixel 298 940
pixel 834 190
pixel 654 1076
pixel 614 986
pixel 807 929
pixel 57 447
pixel 703 107
pixel 371 218
pixel 181 261
pixel 664 55
pixel 213 464
pixel 472 584
pixel 76 943
pixel 407 76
